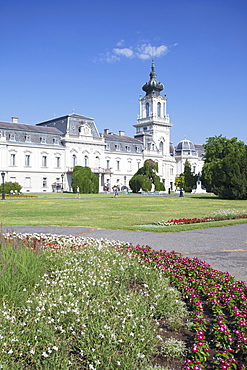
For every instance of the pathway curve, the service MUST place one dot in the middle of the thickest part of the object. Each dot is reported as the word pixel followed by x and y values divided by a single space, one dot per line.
pixel 224 248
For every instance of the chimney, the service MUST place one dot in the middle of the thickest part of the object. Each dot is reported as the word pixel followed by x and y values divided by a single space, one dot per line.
pixel 106 131
pixel 15 119
pixel 121 133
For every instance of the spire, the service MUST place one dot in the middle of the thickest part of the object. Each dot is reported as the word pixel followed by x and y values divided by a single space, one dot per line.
pixel 153 87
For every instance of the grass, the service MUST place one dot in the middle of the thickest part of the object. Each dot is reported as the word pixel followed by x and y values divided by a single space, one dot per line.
pixel 125 212
pixel 93 307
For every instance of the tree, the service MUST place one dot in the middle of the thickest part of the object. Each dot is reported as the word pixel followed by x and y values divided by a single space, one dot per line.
pixel 87 181
pixel 145 177
pixel 189 177
pixel 225 167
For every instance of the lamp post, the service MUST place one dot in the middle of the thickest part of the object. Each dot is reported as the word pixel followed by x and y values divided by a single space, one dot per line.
pixel 3 194
pixel 62 180
pixel 181 189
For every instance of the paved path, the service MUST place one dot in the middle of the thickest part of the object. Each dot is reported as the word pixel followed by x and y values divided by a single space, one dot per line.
pixel 224 248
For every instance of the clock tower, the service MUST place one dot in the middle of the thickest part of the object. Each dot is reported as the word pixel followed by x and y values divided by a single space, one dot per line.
pixel 153 123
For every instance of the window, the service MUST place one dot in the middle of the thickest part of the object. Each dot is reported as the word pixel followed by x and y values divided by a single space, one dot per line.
pixel 171 170
pixel 97 162
pixel 108 163
pixel 28 139
pixel 107 147
pixel 27 160
pixel 147 109
pixel 138 165
pixel 127 148
pixel 86 161
pixel 158 109
pixel 44 182
pixel 57 162
pixel 12 137
pixel 27 182
pixel 117 147
pixel 161 146
pixel 43 140
pixel 73 160
pixel 12 159
pixel 129 168
pixel 55 141
pixel 44 161
pixel 117 165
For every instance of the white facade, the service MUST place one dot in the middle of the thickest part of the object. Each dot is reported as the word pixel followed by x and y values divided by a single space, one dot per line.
pixel 41 157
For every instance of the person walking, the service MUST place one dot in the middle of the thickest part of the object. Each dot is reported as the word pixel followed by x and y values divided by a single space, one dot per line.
pixel 77 192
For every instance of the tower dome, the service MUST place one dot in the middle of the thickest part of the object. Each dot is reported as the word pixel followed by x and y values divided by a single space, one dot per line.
pixel 153 87
pixel 185 147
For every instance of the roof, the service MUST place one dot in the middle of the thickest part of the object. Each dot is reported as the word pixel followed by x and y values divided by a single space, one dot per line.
pixel 185 145
pixel 114 137
pixel 31 128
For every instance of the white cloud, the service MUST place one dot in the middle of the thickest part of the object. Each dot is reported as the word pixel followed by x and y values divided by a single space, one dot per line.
pixel 120 43
pixel 143 51
pixel 127 52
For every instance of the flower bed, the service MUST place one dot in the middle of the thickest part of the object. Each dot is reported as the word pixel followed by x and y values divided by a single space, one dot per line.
pixel 217 302
pixel 223 343
pixel 182 221
pixel 20 196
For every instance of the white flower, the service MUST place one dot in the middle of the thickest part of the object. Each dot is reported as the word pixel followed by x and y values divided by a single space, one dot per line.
pixel 45 354
pixel 32 351
pixel 10 351
pixel 55 348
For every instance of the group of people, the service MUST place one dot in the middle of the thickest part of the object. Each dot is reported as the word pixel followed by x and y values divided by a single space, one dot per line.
pixel 115 191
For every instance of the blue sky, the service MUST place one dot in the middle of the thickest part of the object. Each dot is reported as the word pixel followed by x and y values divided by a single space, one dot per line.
pixel 93 56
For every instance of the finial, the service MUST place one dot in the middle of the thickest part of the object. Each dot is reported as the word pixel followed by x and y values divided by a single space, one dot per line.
pixel 73 110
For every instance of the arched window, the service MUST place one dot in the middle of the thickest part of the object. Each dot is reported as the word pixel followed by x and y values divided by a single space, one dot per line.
pixel 73 160
pixel 158 109
pixel 97 162
pixel 147 109
pixel 161 146
pixel 86 161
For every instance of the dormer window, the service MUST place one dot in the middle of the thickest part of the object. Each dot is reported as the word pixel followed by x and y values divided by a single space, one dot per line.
pixel 117 147
pixel 28 138
pixel 55 141
pixel 43 140
pixel 127 148
pixel 12 137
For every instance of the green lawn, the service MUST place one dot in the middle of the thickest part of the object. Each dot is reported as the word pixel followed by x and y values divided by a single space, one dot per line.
pixel 125 212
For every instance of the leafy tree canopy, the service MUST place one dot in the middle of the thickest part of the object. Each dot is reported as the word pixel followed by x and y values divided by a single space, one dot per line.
pixel 225 167
pixel 87 181
pixel 189 178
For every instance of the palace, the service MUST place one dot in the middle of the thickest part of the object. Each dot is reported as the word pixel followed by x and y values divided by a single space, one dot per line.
pixel 41 157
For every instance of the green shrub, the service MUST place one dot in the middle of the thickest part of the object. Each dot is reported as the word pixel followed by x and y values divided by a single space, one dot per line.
pixel 10 187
